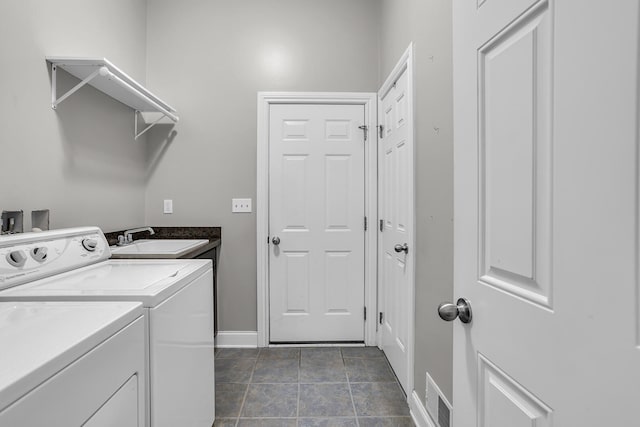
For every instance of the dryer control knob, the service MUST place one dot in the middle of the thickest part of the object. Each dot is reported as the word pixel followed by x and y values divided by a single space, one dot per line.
pixel 17 258
pixel 39 254
pixel 90 244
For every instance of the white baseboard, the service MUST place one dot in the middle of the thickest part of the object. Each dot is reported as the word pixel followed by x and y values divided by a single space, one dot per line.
pixel 231 339
pixel 419 412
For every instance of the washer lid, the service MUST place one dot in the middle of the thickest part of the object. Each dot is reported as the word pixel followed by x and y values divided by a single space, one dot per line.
pixel 147 281
pixel 38 339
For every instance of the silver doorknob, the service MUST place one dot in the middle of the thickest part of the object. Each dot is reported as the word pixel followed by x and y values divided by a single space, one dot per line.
pixel 275 240
pixel 401 248
pixel 461 309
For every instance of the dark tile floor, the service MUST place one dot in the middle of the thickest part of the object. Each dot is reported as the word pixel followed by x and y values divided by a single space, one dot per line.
pixel 308 387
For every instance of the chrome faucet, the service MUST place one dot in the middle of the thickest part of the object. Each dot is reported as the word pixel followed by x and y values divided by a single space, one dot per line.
pixel 127 238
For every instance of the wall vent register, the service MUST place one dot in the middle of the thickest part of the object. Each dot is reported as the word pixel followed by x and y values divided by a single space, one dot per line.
pixel 437 404
pixel 109 79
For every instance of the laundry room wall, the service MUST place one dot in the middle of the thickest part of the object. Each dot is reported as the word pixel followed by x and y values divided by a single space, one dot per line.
pixel 80 161
pixel 211 57
pixel 428 24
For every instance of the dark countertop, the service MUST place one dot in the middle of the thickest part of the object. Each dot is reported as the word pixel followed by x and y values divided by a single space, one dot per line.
pixel 213 234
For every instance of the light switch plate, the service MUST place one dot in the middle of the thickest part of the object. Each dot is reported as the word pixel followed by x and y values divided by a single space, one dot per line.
pixel 168 206
pixel 240 205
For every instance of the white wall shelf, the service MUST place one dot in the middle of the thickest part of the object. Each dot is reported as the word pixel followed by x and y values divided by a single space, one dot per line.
pixel 109 79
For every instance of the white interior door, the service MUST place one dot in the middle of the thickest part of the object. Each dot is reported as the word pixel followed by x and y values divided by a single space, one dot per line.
pixel 546 213
pixel 396 213
pixel 316 216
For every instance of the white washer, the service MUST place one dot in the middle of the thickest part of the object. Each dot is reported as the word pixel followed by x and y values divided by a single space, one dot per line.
pixel 70 364
pixel 177 297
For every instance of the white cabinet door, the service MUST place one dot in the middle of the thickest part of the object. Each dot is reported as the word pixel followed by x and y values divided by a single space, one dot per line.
pixel 546 213
pixel 316 210
pixel 396 207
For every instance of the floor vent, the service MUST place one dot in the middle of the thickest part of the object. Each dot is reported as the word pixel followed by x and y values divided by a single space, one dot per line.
pixel 437 405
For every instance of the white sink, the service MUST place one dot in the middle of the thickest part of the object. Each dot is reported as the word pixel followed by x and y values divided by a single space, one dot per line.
pixel 157 248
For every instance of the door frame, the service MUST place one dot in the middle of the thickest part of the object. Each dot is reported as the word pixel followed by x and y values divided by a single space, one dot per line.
pixel 369 101
pixel 405 63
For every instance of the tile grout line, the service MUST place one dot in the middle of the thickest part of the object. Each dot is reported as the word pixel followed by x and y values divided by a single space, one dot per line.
pixel 353 403
pixel 312 382
pixel 246 392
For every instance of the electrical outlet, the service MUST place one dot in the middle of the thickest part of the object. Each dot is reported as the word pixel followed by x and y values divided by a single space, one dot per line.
pixel 240 205
pixel 168 206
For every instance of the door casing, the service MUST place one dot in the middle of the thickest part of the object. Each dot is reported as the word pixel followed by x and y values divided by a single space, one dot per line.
pixel 369 101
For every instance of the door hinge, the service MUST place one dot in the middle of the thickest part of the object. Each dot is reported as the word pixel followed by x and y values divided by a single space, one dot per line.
pixel 381 224
pixel 365 223
pixel 365 129
pixel 365 313
pixel 381 131
pixel 381 316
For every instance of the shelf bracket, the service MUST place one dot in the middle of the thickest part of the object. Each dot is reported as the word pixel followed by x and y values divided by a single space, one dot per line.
pixel 54 86
pixel 137 117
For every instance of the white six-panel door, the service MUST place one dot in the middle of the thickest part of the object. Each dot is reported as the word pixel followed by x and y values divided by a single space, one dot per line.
pixel 316 215
pixel 395 293
pixel 546 213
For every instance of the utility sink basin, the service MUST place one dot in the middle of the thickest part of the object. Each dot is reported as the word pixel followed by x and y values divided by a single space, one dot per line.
pixel 157 248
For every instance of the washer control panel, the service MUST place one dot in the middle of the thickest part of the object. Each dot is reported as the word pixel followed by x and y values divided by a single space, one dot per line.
pixel 32 256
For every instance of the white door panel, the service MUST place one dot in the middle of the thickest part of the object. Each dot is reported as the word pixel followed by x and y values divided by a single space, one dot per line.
pixel 316 209
pixel 505 403
pixel 546 213
pixel 396 205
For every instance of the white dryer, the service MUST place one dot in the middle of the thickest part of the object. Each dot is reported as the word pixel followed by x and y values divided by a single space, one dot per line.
pixel 69 364
pixel 176 296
